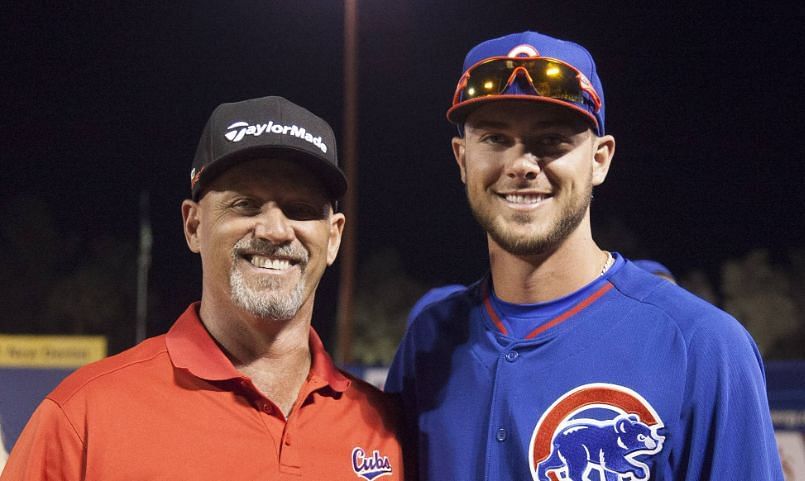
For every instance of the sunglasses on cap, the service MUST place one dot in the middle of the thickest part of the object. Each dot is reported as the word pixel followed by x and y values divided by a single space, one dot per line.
pixel 549 77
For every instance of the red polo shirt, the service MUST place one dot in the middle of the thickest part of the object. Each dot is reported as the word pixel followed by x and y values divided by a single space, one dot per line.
pixel 175 408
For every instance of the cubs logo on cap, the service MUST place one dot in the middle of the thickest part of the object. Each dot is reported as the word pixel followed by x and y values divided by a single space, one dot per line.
pixel 596 427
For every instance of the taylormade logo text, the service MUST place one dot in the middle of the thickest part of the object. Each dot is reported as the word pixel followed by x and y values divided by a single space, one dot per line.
pixel 238 130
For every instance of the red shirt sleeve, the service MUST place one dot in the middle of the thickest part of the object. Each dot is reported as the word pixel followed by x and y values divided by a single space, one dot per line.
pixel 49 448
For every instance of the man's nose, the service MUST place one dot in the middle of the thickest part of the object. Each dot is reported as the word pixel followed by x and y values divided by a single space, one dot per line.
pixel 273 225
pixel 524 166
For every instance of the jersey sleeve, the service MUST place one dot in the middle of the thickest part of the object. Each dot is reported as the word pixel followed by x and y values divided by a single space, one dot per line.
pixel 726 408
pixel 394 379
pixel 399 383
pixel 433 295
pixel 49 448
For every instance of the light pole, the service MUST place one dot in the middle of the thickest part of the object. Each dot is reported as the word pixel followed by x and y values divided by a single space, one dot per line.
pixel 349 151
pixel 143 265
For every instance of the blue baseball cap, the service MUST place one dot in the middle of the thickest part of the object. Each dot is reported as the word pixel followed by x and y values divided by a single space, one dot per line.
pixel 531 45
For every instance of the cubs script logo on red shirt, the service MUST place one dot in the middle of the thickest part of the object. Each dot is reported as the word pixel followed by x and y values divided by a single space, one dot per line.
pixel 370 467
pixel 596 428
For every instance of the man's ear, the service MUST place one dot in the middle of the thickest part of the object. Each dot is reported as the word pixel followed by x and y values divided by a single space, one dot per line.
pixel 602 157
pixel 337 221
pixel 191 220
pixel 458 152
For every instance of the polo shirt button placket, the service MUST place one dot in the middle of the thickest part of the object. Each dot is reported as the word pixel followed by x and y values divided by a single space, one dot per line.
pixel 290 455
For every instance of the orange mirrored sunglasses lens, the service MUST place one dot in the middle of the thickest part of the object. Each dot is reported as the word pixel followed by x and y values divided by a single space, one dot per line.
pixel 549 79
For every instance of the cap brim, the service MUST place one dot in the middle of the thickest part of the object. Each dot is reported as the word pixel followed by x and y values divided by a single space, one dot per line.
pixel 458 113
pixel 331 176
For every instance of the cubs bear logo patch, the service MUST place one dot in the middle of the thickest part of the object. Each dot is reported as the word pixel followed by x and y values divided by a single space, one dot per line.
pixel 596 432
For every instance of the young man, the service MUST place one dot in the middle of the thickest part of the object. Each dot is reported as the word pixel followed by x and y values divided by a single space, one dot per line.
pixel 567 362
pixel 241 387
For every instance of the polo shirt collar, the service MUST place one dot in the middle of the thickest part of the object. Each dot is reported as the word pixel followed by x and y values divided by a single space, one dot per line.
pixel 322 365
pixel 191 347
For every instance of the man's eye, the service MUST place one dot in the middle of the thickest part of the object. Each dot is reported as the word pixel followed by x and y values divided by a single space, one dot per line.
pixel 550 140
pixel 493 139
pixel 246 205
pixel 303 212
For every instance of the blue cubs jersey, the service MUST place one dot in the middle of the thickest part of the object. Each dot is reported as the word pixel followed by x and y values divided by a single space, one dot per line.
pixel 639 380
pixel 433 295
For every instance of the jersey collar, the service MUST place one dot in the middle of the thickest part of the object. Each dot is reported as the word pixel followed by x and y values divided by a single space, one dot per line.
pixel 604 286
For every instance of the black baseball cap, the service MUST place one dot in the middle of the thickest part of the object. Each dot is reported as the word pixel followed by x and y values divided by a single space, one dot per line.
pixel 256 128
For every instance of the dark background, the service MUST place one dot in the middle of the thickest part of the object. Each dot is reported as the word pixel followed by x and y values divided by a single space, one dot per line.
pixel 104 100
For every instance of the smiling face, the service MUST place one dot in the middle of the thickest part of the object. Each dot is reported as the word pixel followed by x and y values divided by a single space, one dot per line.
pixel 529 169
pixel 266 232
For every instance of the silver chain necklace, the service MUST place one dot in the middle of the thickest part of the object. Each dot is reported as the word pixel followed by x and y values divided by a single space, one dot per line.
pixel 610 260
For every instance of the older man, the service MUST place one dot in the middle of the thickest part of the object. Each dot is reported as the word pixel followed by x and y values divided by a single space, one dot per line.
pixel 241 387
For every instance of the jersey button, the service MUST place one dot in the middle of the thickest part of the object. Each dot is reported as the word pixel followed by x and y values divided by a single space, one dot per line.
pixel 512 356
pixel 501 435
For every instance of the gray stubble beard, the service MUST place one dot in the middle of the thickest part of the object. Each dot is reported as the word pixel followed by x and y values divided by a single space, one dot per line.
pixel 264 299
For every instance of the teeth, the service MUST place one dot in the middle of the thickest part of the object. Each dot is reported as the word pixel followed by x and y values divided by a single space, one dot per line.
pixel 268 263
pixel 524 198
